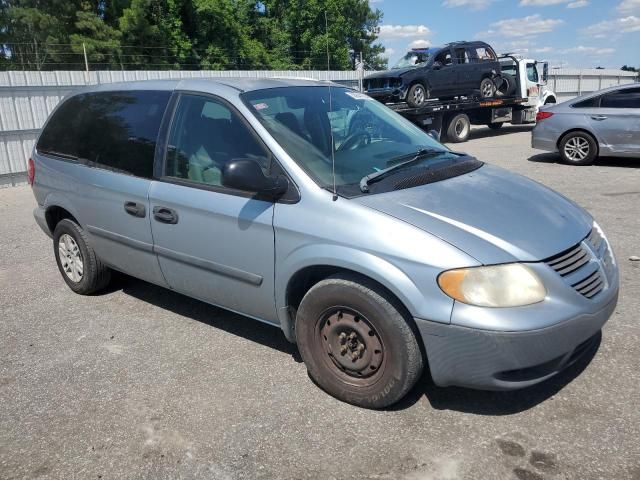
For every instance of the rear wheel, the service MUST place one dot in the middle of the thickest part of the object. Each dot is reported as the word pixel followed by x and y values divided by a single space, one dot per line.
pixel 357 344
pixel 417 95
pixel 578 148
pixel 487 88
pixel 81 269
pixel 459 128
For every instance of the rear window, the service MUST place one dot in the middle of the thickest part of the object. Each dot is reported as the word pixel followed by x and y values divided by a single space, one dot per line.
pixel 588 103
pixel 114 130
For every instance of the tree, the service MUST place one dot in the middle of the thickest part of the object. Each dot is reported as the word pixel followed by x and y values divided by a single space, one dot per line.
pixel 629 69
pixel 216 34
pixel 153 35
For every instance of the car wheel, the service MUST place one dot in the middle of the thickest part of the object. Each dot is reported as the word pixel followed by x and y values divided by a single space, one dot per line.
pixel 578 148
pixel 81 269
pixel 495 126
pixel 507 87
pixel 459 128
pixel 417 95
pixel 487 88
pixel 357 344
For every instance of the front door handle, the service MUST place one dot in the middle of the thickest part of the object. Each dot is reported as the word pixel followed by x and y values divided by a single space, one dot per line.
pixel 136 209
pixel 165 215
pixel 598 117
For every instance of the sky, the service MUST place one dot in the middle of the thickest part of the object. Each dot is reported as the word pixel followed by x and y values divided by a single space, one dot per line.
pixel 567 33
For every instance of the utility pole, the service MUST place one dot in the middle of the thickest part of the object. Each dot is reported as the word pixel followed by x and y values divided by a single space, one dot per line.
pixel 360 72
pixel 86 62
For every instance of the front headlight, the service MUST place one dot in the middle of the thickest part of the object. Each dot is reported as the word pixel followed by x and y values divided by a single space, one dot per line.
pixel 510 285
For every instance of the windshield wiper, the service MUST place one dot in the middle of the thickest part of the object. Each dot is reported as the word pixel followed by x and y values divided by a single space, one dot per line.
pixel 377 176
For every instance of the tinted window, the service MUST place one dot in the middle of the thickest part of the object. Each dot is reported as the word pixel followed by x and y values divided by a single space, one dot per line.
pixel 461 55
pixel 444 57
pixel 627 98
pixel 116 130
pixel 205 135
pixel 593 102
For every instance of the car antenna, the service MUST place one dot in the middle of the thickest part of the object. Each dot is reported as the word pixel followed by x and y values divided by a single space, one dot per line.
pixel 333 154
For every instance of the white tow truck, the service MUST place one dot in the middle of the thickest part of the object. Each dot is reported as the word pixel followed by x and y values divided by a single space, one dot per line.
pixel 522 92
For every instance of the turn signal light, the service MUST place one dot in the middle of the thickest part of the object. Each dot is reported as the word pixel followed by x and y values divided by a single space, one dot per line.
pixel 543 115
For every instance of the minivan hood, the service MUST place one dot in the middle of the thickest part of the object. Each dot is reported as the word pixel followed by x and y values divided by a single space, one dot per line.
pixel 491 214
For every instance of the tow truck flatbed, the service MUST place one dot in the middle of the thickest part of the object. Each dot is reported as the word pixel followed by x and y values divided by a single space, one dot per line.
pixel 453 118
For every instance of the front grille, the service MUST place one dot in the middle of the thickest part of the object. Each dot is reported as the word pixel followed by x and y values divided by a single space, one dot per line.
pixel 582 265
pixel 377 83
pixel 590 286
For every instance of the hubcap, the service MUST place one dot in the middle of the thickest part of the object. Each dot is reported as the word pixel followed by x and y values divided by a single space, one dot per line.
pixel 70 258
pixel 351 345
pixel 487 89
pixel 461 128
pixel 418 95
pixel 576 148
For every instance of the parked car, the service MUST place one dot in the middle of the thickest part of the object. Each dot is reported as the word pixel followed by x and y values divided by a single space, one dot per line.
pixel 459 68
pixel 312 207
pixel 601 124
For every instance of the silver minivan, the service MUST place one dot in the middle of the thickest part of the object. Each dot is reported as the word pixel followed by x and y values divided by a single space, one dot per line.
pixel 311 207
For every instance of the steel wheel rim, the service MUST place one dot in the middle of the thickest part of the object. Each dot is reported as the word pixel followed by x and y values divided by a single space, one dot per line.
pixel 487 90
pixel 461 128
pixel 350 346
pixel 70 258
pixel 418 95
pixel 577 148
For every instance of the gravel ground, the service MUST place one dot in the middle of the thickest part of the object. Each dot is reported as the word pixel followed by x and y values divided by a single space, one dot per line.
pixel 140 382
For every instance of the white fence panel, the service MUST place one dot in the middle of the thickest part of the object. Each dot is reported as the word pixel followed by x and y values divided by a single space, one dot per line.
pixel 27 98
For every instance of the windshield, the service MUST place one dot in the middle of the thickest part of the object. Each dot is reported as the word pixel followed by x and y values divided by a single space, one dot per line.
pixel 368 137
pixel 412 59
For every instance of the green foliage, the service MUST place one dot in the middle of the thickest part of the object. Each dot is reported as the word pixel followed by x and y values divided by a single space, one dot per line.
pixel 196 34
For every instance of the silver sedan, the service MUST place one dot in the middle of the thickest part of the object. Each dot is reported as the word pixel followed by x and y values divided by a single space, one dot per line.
pixel 605 123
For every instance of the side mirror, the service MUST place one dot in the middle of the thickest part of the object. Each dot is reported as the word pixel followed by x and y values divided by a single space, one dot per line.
pixel 246 175
pixel 434 134
pixel 545 72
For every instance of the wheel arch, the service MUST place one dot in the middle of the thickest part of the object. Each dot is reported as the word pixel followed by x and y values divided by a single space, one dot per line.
pixel 54 214
pixel 296 281
pixel 579 129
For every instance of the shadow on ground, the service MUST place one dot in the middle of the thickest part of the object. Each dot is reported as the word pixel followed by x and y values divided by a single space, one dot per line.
pixel 451 398
pixel 267 335
pixel 599 162
pixel 505 130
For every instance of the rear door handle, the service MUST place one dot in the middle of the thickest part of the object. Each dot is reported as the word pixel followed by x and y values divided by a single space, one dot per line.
pixel 136 209
pixel 165 215
pixel 598 117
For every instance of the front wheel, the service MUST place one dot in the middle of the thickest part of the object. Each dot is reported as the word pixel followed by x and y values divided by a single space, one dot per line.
pixel 417 95
pixel 357 343
pixel 487 88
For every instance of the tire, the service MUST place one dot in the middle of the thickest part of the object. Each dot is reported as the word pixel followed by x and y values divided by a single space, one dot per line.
pixel 508 86
pixel 459 128
pixel 578 148
pixel 93 275
pixel 487 88
pixel 357 343
pixel 417 95
pixel 495 126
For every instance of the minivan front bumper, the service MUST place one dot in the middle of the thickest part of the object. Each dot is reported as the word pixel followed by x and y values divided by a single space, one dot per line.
pixel 497 360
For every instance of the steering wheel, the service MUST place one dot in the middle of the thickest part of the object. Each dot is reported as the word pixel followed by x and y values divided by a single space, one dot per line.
pixel 354 140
